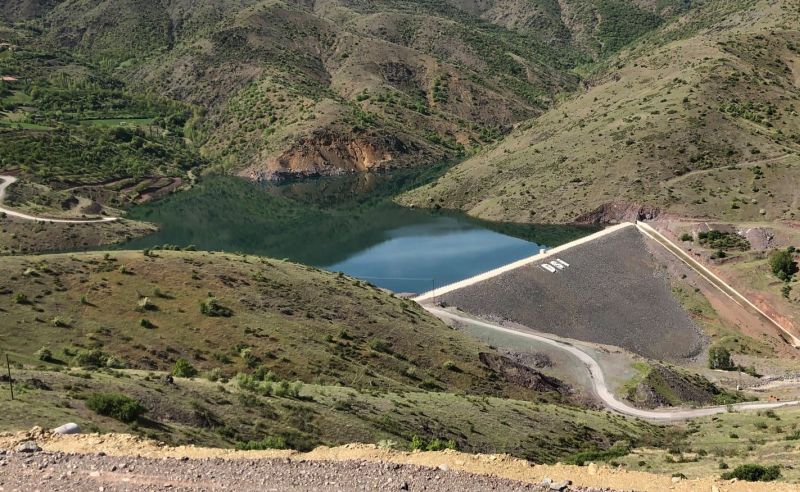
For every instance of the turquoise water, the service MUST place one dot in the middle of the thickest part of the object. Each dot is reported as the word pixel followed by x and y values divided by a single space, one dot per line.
pixel 346 224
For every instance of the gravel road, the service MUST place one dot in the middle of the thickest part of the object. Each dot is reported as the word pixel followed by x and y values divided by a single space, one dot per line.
pixel 598 380
pixel 67 472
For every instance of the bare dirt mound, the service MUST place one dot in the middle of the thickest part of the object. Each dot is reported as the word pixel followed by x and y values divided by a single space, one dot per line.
pixel 356 457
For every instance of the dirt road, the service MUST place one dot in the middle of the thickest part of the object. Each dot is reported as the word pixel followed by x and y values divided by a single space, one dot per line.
pixel 598 380
pixel 9 180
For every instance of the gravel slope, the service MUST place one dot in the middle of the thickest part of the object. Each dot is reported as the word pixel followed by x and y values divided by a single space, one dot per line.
pixel 611 293
pixel 58 471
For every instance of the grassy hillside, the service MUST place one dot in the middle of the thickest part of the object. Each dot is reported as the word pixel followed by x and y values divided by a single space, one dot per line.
pixel 281 350
pixel 703 125
pixel 223 414
pixel 296 321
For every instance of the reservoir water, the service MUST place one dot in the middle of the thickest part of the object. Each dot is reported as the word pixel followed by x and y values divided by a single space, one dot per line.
pixel 348 224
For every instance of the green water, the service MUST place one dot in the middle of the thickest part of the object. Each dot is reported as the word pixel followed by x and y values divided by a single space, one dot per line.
pixel 347 224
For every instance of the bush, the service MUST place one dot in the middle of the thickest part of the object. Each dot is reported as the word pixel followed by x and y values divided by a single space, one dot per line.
pixel 146 323
pixel 116 406
pixel 754 473
pixel 723 240
pixel 21 298
pixel 720 358
pixel 380 346
pixel 182 369
pixel 687 237
pixel 616 451
pixel 212 307
pixel 783 265
pixel 90 358
pixel 44 354
pixel 417 443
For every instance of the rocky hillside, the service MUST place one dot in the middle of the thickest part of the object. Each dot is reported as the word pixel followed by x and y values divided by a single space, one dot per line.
pixel 698 118
pixel 288 88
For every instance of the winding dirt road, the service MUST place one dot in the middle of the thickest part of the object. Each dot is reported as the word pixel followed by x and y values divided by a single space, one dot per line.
pixel 9 180
pixel 598 380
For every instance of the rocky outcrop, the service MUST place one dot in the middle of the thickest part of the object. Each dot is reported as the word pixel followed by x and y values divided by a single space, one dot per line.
pixel 616 212
pixel 522 375
pixel 665 386
pixel 325 153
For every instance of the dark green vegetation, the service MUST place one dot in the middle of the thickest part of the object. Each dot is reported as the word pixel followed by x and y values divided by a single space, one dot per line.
pixel 305 358
pixel 720 358
pixel 116 406
pixel 722 240
pixel 70 121
pixel 754 473
pixel 783 264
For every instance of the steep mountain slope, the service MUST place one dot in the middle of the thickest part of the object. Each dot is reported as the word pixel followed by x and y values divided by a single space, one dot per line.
pixel 698 119
pixel 286 88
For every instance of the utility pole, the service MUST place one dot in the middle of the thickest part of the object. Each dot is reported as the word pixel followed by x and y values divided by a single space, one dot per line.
pixel 10 381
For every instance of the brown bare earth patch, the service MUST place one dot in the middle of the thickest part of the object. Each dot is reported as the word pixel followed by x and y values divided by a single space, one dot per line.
pixel 497 465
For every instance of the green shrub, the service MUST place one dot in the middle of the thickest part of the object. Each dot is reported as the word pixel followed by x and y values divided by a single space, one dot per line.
pixel 723 240
pixel 21 298
pixel 754 473
pixel 782 264
pixel 183 369
pixel 616 451
pixel 380 346
pixel 687 237
pixel 720 358
pixel 90 358
pixel 116 406
pixel 212 307
pixel 44 354
pixel 146 323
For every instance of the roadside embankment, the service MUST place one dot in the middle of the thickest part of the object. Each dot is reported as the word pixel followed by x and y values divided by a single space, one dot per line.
pixel 353 459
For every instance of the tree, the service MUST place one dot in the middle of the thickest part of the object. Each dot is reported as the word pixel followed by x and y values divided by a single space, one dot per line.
pixel 719 358
pixel 183 369
pixel 783 264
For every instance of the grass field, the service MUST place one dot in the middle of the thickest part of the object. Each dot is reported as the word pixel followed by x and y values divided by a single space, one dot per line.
pixel 717 444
